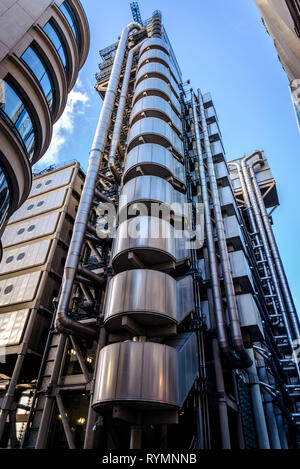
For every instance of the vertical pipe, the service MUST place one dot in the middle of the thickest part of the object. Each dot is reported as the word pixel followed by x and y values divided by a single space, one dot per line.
pixel 136 437
pixel 275 252
pixel 121 108
pixel 92 415
pixel 258 410
pixel 63 322
pixel 235 328
pixel 268 253
pixel 268 406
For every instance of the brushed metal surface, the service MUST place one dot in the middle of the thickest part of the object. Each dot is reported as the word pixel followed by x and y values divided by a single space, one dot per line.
pixel 19 289
pixel 157 55
pixel 159 105
pixel 152 42
pixel 24 257
pixel 156 69
pixel 153 160
pixel 153 130
pixel 152 189
pixel 151 239
pixel 158 85
pixel 149 297
pixel 146 375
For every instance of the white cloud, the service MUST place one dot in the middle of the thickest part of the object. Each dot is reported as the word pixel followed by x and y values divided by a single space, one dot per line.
pixel 63 129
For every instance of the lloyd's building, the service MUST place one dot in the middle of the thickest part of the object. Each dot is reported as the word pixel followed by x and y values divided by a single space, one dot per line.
pixel 172 328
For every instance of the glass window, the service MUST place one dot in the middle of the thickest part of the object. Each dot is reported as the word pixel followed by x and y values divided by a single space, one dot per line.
pixel 30 207
pixel 9 259
pixel 4 197
pixel 21 231
pixel 21 256
pixel 40 203
pixel 72 20
pixel 37 66
pixel 8 289
pixel 56 40
pixel 31 228
pixel 18 116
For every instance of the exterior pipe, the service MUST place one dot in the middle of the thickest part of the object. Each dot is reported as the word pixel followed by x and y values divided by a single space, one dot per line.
pixel 215 281
pixel 255 233
pixel 268 405
pixel 63 322
pixel 235 328
pixel 258 410
pixel 121 108
pixel 263 235
pixel 274 249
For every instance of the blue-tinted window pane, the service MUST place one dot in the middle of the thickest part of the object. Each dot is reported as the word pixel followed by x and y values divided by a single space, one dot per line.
pixel 72 20
pixel 4 197
pixel 18 116
pixel 55 38
pixel 36 65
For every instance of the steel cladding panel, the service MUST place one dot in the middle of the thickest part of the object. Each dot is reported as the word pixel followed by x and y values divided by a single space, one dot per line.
pixel 24 257
pixel 39 205
pixel 156 154
pixel 156 103
pixel 160 85
pixel 160 69
pixel 154 41
pixel 151 188
pixel 51 181
pixel 155 126
pixel 28 230
pixel 12 327
pixel 130 371
pixel 19 289
pixel 156 55
pixel 143 291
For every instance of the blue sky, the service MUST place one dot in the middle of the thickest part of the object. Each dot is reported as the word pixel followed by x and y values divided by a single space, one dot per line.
pixel 222 47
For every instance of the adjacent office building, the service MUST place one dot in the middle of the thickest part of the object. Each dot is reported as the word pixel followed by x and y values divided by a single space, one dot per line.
pixel 282 21
pixel 43 44
pixel 35 246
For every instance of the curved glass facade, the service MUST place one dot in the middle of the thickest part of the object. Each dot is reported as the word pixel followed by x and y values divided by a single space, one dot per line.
pixel 57 41
pixel 17 116
pixel 72 20
pixel 38 68
pixel 4 197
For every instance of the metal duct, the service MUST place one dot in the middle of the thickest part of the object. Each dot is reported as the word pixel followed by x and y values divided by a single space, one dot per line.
pixel 63 322
pixel 235 328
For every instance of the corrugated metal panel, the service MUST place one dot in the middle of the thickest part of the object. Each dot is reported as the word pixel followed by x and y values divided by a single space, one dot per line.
pixel 19 289
pixel 28 230
pixel 38 205
pixel 25 257
pixel 12 327
pixel 51 181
